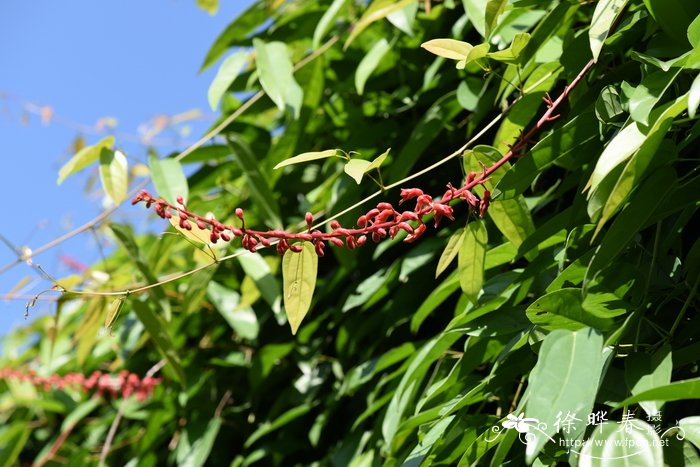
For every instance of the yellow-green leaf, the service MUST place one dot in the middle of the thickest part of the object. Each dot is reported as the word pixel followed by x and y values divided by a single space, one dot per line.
pixel 299 280
pixel 210 6
pixel 83 158
pixel 454 243
pixel 307 156
pixel 356 168
pixel 512 53
pixel 114 174
pixel 378 161
pixel 448 48
pixel 379 9
pixel 113 312
pixel 472 254
pixel 196 234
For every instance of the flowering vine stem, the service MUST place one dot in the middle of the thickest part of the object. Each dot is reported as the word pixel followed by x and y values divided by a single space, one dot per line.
pixel 379 222
pixel 123 384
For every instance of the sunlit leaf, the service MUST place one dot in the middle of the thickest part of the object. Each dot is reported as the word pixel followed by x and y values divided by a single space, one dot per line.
pixel 277 76
pixel 228 71
pixel 357 168
pixel 308 156
pixel 635 443
pixel 326 22
pixel 558 385
pixel 454 243
pixel 448 48
pixel 603 17
pixel 169 179
pixel 299 277
pixel 114 174
pixel 376 11
pixel 84 157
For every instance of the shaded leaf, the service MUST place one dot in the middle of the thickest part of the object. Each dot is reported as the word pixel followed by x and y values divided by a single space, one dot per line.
pixel 369 63
pixel 472 254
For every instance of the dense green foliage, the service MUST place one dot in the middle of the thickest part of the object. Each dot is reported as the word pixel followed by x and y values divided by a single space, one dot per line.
pixel 576 294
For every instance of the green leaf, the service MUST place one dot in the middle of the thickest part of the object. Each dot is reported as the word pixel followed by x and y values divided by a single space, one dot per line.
pixel 279 422
pixel 644 372
pixel 357 168
pixel 84 157
pixel 228 71
pixel 563 309
pixel 307 156
pixel 114 175
pixel 618 150
pixel 678 390
pixel 242 320
pixel 158 330
pixel 210 6
pixel 603 18
pixel 558 385
pixel 257 184
pixel 13 439
pixel 255 267
pixel 694 97
pixel 648 93
pixel 691 429
pixel 494 9
pixel 633 218
pixel 299 278
pixel 237 33
pixel 454 243
pixel 169 179
pixel 377 161
pixel 472 254
pixel 369 63
pixel 113 312
pixel 611 444
pixel 195 452
pixel 512 53
pixel 448 48
pixel 326 22
pixel 276 74
pixel 476 12
pixel 376 11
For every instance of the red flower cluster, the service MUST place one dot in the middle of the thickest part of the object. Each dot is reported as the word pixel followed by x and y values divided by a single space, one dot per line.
pixel 378 223
pixel 124 383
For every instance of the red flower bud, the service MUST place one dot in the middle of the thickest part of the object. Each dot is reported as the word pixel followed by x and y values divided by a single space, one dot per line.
pixel 201 225
pixel 180 200
pixel 336 241
pixel 362 240
pixel 309 219
pixel 239 213
pixel 335 225
pixel 225 237
pixel 318 246
pixel 484 204
pixel 264 241
pixel 361 221
pixel 351 242
pixel 296 248
pixel 182 215
pixel 409 193
pixel 384 206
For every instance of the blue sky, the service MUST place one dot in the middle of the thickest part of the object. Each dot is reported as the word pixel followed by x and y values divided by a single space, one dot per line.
pixel 85 60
